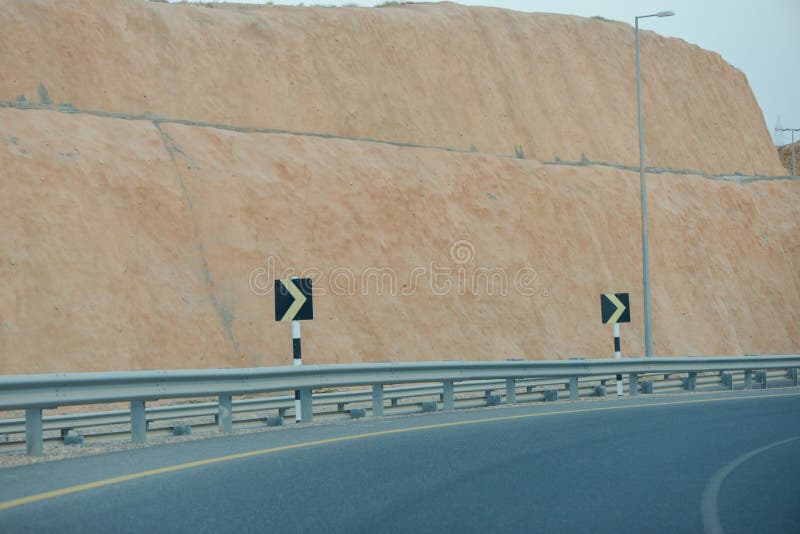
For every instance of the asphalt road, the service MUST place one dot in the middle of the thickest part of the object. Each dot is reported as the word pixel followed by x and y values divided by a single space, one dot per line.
pixel 689 463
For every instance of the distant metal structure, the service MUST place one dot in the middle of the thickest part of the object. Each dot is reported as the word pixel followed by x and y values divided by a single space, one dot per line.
pixel 778 135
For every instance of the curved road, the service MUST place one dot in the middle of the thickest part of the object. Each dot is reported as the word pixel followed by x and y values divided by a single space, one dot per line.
pixel 688 463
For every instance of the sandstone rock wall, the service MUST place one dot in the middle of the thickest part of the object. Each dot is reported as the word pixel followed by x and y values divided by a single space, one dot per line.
pixel 785 155
pixel 142 244
pixel 433 74
pixel 131 244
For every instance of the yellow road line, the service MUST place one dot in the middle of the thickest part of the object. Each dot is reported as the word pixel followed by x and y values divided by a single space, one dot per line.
pixel 189 465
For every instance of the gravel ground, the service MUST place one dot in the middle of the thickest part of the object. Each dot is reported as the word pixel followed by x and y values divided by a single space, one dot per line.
pixel 58 451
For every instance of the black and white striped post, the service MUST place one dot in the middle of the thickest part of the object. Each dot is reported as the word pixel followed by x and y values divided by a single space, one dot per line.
pixel 293 302
pixel 617 356
pixel 615 309
pixel 297 361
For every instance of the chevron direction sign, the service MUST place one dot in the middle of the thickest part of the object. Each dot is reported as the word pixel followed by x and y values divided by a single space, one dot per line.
pixel 293 300
pixel 615 308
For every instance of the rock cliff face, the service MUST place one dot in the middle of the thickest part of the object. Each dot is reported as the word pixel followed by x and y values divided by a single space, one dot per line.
pixel 433 74
pixel 135 243
pixel 785 155
pixel 128 245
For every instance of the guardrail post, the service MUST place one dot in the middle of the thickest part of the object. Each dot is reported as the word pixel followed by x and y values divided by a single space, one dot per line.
pixel 306 406
pixel 447 395
pixel 726 379
pixel 633 384
pixel 138 422
pixel 225 414
pixel 34 442
pixel 691 383
pixel 748 379
pixel 795 375
pixel 511 390
pixel 377 399
pixel 573 388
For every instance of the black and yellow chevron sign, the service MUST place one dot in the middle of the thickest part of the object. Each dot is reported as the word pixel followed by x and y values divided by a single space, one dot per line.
pixel 293 301
pixel 615 308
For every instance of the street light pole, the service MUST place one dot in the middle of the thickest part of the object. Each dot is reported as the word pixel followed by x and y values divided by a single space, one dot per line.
pixel 648 326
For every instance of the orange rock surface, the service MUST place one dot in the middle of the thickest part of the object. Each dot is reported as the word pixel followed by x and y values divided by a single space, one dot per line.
pixel 785 155
pixel 432 74
pixel 131 245
pixel 146 244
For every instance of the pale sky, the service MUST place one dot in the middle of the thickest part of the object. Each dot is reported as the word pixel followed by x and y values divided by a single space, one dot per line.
pixel 759 37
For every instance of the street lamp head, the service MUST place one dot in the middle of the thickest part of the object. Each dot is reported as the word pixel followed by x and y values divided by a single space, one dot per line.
pixel 659 14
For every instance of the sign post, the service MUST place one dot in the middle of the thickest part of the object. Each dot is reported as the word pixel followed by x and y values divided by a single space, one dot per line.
pixel 297 361
pixel 615 309
pixel 617 356
pixel 293 302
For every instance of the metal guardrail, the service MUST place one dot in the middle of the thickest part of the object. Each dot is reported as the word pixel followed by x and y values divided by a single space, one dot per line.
pixel 33 393
pixel 248 408
pixel 255 413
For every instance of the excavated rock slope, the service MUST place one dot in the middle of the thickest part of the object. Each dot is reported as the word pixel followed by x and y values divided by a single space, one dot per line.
pixel 433 74
pixel 128 244
pixel 785 155
pixel 134 243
